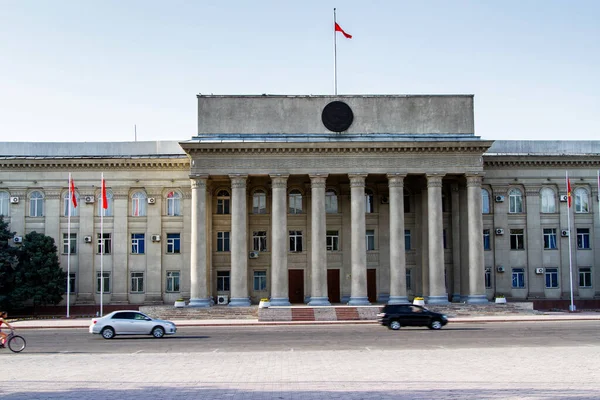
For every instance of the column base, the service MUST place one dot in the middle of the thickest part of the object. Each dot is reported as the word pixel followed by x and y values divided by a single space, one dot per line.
pixel 477 299
pixel 200 302
pixel 456 298
pixel 437 300
pixel 239 302
pixel 398 300
pixel 319 301
pixel 280 301
pixel 359 301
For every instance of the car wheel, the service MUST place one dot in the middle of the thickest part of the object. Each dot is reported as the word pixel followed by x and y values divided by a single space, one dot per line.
pixel 395 325
pixel 108 333
pixel 436 324
pixel 158 332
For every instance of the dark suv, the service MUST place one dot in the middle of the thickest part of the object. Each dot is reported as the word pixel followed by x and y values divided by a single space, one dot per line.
pixel 395 316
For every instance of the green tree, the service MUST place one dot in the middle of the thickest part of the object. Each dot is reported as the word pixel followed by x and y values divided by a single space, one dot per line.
pixel 38 275
pixel 8 259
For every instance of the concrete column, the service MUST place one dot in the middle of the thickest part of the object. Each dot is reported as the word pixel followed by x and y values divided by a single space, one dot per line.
pixel 358 291
pixel 318 243
pixel 199 296
pixel 239 243
pixel 120 276
pixel 475 227
pixel 279 235
pixel 534 243
pixel 437 284
pixel 397 251
pixel 456 264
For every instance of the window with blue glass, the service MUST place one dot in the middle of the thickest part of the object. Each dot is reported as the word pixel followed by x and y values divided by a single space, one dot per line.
pixel 407 243
pixel 518 278
pixel 487 245
pixel 583 238
pixel 173 243
pixel 138 243
pixel 550 239
pixel 551 278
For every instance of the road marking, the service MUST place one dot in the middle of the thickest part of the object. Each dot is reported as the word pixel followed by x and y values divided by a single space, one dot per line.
pixel 215 350
pixel 291 349
pixel 368 349
pixel 139 351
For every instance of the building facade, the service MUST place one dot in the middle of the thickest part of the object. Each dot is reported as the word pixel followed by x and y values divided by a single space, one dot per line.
pixel 315 199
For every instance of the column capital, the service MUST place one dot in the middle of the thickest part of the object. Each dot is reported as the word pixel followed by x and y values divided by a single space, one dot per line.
pixel 434 180
pixel 357 180
pixel 396 180
pixel 279 181
pixel 238 181
pixel 317 180
pixel 474 179
pixel 199 183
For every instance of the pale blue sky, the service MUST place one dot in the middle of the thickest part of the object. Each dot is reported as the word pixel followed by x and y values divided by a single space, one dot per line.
pixel 75 70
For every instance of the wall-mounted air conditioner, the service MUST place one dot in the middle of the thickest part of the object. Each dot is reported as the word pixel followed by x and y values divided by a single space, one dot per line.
pixel 253 254
pixel 499 231
pixel 87 239
pixel 564 198
pixel 500 268
pixel 151 200
pixel 385 200
pixel 499 198
pixel 14 200
pixel 222 299
pixel 539 270
pixel 89 199
pixel 155 238
pixel 564 233
pixel 18 239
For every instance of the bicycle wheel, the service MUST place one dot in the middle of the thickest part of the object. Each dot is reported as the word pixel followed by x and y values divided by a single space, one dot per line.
pixel 16 344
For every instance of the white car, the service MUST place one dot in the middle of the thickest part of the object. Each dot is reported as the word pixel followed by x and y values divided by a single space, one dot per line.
pixel 131 322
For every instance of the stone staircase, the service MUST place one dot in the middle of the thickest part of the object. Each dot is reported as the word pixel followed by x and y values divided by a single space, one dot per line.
pixel 215 312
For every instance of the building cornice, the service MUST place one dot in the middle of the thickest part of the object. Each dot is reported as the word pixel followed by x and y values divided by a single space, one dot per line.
pixel 174 162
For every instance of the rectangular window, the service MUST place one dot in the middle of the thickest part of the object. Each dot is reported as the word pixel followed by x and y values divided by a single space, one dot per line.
pixel 333 241
pixel 260 281
pixel 517 239
pixel 223 281
pixel 103 282
pixel 173 243
pixel 408 279
pixel 551 278
pixel 137 282
pixel 223 206
pixel 70 284
pixel 550 239
pixel 138 243
pixel 487 244
pixel 172 281
pixel 444 240
pixel 104 244
pixel 69 244
pixel 259 240
pixel 518 278
pixel 583 238
pixel 488 278
pixel 585 277
pixel 223 241
pixel 370 236
pixel 407 244
pixel 296 241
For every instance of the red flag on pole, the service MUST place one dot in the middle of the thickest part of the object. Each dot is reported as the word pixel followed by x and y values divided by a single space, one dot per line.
pixel 73 197
pixel 569 192
pixel 339 29
pixel 104 199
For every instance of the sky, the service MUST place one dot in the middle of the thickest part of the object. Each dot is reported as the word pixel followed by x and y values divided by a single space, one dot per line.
pixel 114 70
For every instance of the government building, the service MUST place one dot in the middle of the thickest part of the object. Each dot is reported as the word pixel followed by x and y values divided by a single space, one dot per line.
pixel 318 200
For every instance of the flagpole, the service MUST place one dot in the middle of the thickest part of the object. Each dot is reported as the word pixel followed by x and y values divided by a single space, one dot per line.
pixel 572 306
pixel 69 247
pixel 334 56
pixel 101 244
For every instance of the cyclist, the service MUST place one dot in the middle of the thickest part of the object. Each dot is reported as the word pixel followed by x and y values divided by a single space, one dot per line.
pixel 3 316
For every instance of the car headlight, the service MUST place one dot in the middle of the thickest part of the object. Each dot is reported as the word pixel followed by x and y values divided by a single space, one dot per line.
pixel 444 317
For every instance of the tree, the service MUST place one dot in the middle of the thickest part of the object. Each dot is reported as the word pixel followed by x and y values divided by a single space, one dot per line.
pixel 38 275
pixel 8 259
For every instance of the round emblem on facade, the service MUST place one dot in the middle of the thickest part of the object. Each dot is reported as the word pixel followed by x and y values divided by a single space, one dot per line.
pixel 337 116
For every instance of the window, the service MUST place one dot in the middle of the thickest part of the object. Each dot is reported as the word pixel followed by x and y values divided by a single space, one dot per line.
pixel 333 240
pixel 295 200
pixel 406 202
pixel 295 241
pixel 4 202
pixel 223 281
pixel 259 202
pixel 223 202
pixel 408 279
pixel 259 240
pixel 139 201
pixel 370 236
pixel 444 241
pixel 445 206
pixel 550 239
pixel 223 241
pixel 548 199
pixel 36 204
pixel 138 241
pixel 515 199
pixel 70 284
pixel 488 278
pixel 331 202
pixel 68 202
pixel 487 243
pixel 260 280
pixel 585 277
pixel 551 278
pixel 69 245
pixel 137 282
pixel 407 244
pixel 173 243
pixel 172 281
pixel 108 211
pixel 369 206
pixel 583 238
pixel 518 278
pixel 173 204
pixel 581 201
pixel 517 239
pixel 103 282
pixel 104 243
pixel 485 201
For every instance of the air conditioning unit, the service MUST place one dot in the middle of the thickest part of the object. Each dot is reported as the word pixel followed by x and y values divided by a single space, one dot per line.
pixel 155 238
pixel 385 200
pixel 89 199
pixel 222 299
pixel 499 199
pixel 87 239
pixel 500 268
pixel 14 200
pixel 151 200
pixel 499 231
pixel 18 239
pixel 564 233
pixel 539 270
pixel 253 254
pixel 564 198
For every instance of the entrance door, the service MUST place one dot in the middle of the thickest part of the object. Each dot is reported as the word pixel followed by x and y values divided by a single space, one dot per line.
pixel 333 285
pixel 296 285
pixel 372 285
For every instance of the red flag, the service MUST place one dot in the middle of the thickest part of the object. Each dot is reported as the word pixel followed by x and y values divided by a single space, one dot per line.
pixel 339 29
pixel 73 197
pixel 104 199
pixel 569 192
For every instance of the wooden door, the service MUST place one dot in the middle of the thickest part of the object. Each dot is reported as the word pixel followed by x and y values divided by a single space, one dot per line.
pixel 333 285
pixel 372 285
pixel 296 286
